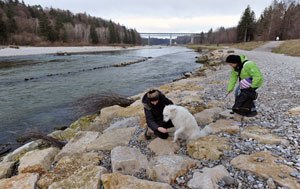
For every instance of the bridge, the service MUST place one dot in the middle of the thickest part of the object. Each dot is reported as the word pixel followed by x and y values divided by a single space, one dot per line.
pixel 193 35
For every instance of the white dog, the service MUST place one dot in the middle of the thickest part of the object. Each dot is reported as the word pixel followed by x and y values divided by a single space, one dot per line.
pixel 184 123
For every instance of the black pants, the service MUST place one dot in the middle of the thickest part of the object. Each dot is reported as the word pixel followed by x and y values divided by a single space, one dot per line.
pixel 165 125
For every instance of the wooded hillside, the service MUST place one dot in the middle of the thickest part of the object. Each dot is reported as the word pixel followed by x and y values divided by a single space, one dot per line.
pixel 22 24
pixel 281 19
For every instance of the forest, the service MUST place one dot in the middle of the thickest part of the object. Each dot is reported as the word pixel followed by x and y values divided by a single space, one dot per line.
pixel 21 24
pixel 280 19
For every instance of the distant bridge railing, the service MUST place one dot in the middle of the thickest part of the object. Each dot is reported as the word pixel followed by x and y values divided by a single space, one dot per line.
pixel 149 34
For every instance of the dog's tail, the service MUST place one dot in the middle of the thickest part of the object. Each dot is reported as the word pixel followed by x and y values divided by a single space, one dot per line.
pixel 205 131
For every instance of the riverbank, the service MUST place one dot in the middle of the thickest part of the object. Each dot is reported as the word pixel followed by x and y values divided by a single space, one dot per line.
pixel 64 51
pixel 263 154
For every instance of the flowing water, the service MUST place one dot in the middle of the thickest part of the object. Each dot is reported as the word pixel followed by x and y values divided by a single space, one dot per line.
pixel 40 92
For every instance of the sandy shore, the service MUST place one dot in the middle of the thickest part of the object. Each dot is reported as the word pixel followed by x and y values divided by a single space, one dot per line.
pixel 25 51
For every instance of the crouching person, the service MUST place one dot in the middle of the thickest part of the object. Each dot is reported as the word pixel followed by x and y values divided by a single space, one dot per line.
pixel 154 103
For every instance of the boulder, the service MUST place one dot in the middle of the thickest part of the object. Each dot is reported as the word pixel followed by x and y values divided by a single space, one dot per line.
pixel 209 147
pixel 262 135
pixel 117 180
pixel 267 167
pixel 295 111
pixel 124 123
pixel 19 152
pixel 224 126
pixel 83 123
pixel 66 167
pixel 207 116
pixel 78 144
pixel 111 139
pixel 86 177
pixel 6 169
pixel 226 114
pixel 127 160
pixel 24 181
pixel 163 147
pixel 167 167
pixel 66 134
pixel 37 161
pixel 109 114
pixel 208 178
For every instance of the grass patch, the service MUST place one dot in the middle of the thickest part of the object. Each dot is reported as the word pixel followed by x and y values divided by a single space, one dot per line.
pixel 289 47
pixel 209 47
pixel 248 45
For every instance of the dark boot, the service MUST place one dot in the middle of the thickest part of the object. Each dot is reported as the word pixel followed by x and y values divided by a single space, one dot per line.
pixel 146 134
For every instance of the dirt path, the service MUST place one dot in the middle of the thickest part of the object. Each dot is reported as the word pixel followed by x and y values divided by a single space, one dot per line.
pixel 269 46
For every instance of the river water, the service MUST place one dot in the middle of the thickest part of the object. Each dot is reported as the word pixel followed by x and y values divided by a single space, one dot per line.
pixel 55 83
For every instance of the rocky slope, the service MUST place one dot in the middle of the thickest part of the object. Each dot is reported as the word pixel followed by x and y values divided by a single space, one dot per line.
pixel 110 151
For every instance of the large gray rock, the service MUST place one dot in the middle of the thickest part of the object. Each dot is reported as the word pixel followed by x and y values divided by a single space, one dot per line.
pixel 111 139
pixel 37 161
pixel 125 123
pixel 210 147
pixel 78 144
pixel 67 166
pixel 262 135
pixel 208 178
pixel 207 116
pixel 163 147
pixel 22 181
pixel 16 154
pixel 167 167
pixel 86 177
pixel 117 180
pixel 226 114
pixel 267 167
pixel 224 125
pixel 6 169
pixel 127 160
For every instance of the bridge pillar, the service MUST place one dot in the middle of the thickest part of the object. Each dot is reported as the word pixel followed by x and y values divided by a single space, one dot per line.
pixel 192 39
pixel 170 39
pixel 149 40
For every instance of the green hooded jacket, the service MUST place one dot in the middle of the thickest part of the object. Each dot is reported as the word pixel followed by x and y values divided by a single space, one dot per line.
pixel 249 70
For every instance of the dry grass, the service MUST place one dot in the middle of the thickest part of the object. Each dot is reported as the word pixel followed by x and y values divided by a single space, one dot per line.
pixel 289 47
pixel 248 45
pixel 209 47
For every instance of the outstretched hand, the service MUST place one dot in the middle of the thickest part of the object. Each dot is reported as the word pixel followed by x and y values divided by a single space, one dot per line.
pixel 161 129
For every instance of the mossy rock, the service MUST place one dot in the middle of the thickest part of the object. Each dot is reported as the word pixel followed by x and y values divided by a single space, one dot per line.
pixel 83 123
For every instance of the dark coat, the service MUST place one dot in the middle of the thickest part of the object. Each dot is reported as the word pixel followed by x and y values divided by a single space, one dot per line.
pixel 154 113
pixel 244 102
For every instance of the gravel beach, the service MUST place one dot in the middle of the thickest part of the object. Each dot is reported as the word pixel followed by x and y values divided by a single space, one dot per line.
pixel 25 51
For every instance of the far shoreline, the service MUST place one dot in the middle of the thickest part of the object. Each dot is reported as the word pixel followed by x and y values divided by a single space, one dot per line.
pixel 64 51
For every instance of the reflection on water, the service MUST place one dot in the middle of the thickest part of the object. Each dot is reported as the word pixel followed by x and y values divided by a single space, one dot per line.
pixel 49 101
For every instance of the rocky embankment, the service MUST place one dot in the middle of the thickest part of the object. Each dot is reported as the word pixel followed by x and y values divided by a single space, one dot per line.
pixel 109 150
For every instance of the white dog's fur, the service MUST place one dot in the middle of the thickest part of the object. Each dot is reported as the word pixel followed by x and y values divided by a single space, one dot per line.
pixel 184 123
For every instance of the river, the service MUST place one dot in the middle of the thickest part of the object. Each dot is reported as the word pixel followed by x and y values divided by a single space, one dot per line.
pixel 40 92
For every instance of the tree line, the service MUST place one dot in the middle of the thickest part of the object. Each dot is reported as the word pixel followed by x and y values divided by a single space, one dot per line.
pixel 33 25
pixel 280 19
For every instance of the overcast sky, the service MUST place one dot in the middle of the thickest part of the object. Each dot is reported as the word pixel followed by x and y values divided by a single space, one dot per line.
pixel 162 15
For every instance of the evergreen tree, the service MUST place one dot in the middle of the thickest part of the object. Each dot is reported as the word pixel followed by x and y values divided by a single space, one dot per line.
pixel 246 26
pixel 3 31
pixel 46 28
pixel 112 33
pixel 133 38
pixel 94 35
pixel 202 37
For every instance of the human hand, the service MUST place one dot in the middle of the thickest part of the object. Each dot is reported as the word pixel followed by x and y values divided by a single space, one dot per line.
pixel 161 129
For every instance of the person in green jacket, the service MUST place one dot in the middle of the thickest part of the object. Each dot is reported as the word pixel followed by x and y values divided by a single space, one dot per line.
pixel 248 74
